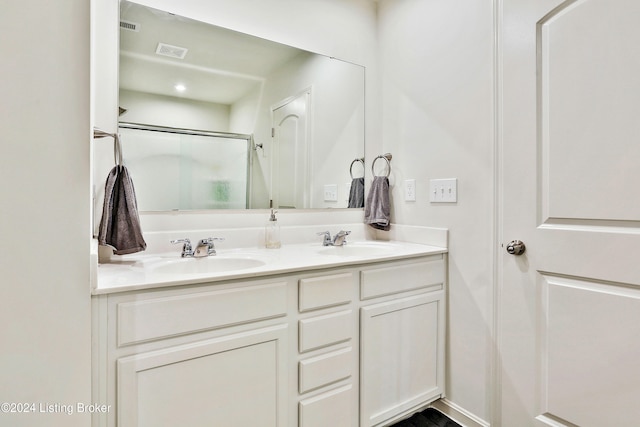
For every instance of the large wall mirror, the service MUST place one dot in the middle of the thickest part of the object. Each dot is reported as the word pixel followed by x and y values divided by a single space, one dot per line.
pixel 215 119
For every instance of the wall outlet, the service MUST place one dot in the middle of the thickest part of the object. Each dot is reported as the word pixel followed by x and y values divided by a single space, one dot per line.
pixel 410 190
pixel 331 192
pixel 443 190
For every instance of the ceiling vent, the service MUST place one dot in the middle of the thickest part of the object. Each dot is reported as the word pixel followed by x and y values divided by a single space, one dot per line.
pixel 171 51
pixel 130 26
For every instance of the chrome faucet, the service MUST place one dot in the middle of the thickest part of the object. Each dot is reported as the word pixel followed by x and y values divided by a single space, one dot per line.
pixel 340 239
pixel 205 247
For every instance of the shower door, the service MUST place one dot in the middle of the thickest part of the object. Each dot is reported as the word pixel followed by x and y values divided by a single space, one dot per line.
pixel 178 169
pixel 569 300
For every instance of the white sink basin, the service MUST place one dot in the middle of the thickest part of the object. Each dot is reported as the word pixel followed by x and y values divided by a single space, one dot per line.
pixel 206 265
pixel 358 249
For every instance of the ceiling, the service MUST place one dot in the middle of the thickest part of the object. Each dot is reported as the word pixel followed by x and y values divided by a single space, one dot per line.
pixel 220 65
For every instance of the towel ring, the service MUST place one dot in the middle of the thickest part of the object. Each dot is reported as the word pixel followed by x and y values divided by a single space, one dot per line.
pixel 361 160
pixel 388 158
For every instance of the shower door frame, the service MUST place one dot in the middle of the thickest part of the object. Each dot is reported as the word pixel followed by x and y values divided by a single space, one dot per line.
pixel 212 134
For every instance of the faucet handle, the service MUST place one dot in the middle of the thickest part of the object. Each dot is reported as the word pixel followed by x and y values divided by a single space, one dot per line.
pixel 210 240
pixel 326 241
pixel 186 247
pixel 186 241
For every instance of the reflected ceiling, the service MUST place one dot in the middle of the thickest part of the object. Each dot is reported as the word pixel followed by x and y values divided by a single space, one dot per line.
pixel 220 65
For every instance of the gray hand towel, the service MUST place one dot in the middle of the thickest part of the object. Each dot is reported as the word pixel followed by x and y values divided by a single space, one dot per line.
pixel 120 223
pixel 378 208
pixel 356 193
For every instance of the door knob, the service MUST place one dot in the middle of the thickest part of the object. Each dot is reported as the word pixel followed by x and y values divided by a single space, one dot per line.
pixel 516 247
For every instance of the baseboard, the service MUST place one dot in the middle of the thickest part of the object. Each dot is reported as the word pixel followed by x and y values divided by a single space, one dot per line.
pixel 458 414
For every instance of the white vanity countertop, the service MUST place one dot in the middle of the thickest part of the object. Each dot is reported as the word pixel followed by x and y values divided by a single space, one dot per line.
pixel 149 271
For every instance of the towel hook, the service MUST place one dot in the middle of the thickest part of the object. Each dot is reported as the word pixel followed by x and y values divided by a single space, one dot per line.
pixel 388 158
pixel 361 160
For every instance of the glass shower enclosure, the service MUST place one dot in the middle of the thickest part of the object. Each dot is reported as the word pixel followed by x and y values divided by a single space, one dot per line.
pixel 183 169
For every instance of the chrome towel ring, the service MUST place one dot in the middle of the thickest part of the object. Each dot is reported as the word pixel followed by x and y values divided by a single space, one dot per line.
pixel 388 158
pixel 361 160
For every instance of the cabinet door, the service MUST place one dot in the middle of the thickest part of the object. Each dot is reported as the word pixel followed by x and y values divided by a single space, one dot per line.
pixel 402 354
pixel 238 380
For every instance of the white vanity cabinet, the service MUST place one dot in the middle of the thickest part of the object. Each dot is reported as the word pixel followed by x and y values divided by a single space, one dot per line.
pixel 212 355
pixel 402 338
pixel 346 346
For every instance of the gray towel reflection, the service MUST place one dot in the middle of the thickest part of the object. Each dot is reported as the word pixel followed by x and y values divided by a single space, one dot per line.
pixel 356 193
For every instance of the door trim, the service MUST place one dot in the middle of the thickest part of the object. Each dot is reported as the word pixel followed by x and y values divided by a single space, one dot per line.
pixel 495 374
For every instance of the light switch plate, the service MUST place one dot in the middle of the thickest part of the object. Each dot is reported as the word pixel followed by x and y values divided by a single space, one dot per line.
pixel 443 190
pixel 410 190
pixel 331 192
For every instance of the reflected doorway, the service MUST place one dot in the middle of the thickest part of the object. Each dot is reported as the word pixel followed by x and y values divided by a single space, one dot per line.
pixel 290 153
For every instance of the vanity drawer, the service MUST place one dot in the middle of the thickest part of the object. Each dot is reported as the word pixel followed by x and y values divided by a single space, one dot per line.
pixel 333 408
pixel 400 278
pixel 326 291
pixel 322 331
pixel 324 369
pixel 155 318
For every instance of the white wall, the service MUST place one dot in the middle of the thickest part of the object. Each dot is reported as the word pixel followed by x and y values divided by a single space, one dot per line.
pixel 436 63
pixel 44 221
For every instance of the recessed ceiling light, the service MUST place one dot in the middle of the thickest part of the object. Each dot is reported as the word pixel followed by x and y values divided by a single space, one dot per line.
pixel 180 87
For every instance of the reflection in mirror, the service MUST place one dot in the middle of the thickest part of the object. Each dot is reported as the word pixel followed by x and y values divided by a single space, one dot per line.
pixel 302 113
pixel 194 170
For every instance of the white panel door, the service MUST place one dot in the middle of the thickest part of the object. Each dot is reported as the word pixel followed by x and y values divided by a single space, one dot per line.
pixel 569 130
pixel 289 159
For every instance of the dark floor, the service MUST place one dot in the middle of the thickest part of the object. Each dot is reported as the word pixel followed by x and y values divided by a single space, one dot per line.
pixel 428 418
